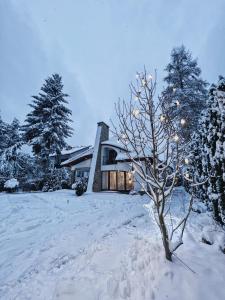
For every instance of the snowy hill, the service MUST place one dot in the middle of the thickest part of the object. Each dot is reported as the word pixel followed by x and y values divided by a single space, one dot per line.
pixel 100 246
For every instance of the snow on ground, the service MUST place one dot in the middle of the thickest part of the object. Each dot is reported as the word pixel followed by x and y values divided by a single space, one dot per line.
pixel 100 246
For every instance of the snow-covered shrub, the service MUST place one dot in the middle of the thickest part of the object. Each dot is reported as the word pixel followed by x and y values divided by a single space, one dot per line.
pixel 55 179
pixel 207 152
pixel 11 185
pixel 214 235
pixel 199 207
pixel 80 186
pixel 2 182
pixel 31 186
pixel 74 185
pixel 65 184
pixel 51 184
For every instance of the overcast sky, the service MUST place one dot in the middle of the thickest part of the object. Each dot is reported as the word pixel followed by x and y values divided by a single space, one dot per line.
pixel 97 46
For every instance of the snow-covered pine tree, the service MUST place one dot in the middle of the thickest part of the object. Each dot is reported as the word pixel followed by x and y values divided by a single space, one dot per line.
pixel 185 94
pixel 9 154
pixel 46 126
pixel 3 135
pixel 209 142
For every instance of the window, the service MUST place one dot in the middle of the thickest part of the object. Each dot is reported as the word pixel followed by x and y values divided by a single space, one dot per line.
pixel 112 180
pixel 121 181
pixel 117 180
pixel 109 157
pixel 129 181
pixel 82 173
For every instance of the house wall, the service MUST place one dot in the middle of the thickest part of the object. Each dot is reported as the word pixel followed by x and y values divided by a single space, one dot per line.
pixel 99 167
pixel 84 164
pixel 137 183
pixel 120 166
pixel 116 167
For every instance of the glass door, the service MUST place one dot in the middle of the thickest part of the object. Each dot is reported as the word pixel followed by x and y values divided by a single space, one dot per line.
pixel 112 181
pixel 121 181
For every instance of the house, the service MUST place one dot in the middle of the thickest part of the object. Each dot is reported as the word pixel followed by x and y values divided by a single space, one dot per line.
pixel 106 165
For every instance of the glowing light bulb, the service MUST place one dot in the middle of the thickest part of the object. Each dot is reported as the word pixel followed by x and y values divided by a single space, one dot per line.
pixel 177 103
pixel 176 138
pixel 144 82
pixel 150 77
pixel 187 175
pixel 182 121
pixel 162 118
pixel 135 112
pixel 174 90
pixel 186 160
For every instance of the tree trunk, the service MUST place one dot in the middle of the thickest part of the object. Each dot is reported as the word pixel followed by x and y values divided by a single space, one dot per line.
pixel 165 238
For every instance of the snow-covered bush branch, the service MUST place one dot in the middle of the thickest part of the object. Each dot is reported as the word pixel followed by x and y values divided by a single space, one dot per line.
pixel 155 152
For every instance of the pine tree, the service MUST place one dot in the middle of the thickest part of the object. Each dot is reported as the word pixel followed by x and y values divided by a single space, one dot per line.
pixel 14 132
pixel 185 94
pixel 46 126
pixel 3 135
pixel 209 144
pixel 9 154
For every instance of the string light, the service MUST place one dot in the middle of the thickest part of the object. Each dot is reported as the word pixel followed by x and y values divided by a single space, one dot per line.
pixel 162 118
pixel 135 112
pixel 176 138
pixel 150 77
pixel 143 82
pixel 182 121
pixel 186 160
pixel 177 103
pixel 174 90
pixel 187 175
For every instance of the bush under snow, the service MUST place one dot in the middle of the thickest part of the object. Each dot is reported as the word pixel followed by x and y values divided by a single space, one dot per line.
pixel 11 185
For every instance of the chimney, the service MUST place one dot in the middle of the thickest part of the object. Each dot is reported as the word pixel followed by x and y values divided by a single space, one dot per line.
pixel 95 176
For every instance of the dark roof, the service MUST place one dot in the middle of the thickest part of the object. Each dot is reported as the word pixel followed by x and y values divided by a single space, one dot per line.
pixel 77 158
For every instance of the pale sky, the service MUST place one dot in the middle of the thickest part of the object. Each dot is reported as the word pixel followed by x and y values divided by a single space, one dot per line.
pixel 97 46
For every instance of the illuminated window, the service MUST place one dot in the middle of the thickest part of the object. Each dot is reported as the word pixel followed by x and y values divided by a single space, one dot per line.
pixel 112 180
pixel 121 181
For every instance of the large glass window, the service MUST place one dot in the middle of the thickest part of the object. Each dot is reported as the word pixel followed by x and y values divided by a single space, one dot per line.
pixel 109 157
pixel 112 180
pixel 121 181
pixel 129 181
pixel 117 180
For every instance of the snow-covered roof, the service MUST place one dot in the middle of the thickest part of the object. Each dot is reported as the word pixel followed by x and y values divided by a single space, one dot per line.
pixel 73 149
pixel 130 155
pixel 78 156
pixel 114 142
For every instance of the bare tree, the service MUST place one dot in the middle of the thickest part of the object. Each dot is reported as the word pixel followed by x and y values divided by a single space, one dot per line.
pixel 156 154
